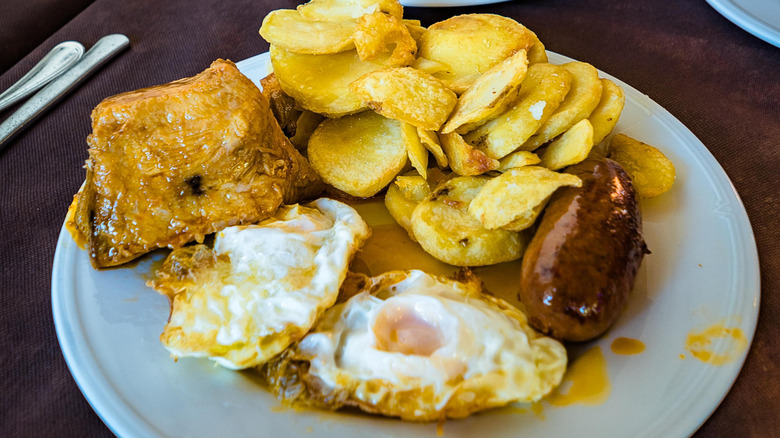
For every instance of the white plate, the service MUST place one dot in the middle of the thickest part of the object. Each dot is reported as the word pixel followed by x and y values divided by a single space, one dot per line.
pixel 703 271
pixel 447 3
pixel 759 17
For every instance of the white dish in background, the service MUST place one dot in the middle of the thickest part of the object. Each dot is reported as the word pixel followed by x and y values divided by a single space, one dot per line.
pixel 703 271
pixel 759 17
pixel 447 3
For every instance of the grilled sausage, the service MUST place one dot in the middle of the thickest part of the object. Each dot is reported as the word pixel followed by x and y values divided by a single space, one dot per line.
pixel 579 268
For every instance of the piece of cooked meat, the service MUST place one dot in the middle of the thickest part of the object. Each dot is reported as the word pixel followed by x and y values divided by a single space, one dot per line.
pixel 172 163
pixel 283 107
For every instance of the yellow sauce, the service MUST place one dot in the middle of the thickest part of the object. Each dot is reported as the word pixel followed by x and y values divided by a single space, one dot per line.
pixel 701 344
pixel 390 248
pixel 589 381
pixel 538 410
pixel 627 346
pixel 70 224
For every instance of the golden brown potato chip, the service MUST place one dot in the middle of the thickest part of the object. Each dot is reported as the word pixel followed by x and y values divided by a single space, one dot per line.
pixel 320 83
pixel 472 44
pixel 570 148
pixel 305 126
pixel 358 154
pixel 345 9
pixel 406 94
pixel 402 197
pixel 376 33
pixel 489 96
pixel 429 66
pixel 446 230
pixel 416 31
pixel 537 53
pixel 287 29
pixel 582 98
pixel 606 114
pixel 542 90
pixel 514 199
pixel 430 141
pixel 463 158
pixel 418 155
pixel 650 170
pixel 518 159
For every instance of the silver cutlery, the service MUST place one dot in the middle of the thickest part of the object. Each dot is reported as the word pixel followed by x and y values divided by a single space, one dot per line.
pixel 62 56
pixel 103 50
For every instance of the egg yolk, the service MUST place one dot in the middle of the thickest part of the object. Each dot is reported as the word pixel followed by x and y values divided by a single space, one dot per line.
pixel 402 330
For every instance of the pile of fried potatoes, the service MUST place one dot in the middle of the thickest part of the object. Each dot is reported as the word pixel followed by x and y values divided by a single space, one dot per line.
pixel 369 96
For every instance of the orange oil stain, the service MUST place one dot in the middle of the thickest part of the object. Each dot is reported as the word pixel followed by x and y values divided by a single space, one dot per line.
pixel 589 381
pixel 440 427
pixel 627 346
pixel 716 345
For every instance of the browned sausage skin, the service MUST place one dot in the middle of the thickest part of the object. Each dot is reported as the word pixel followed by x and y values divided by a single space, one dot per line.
pixel 579 268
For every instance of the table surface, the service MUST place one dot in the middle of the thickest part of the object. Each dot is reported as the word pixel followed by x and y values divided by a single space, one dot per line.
pixel 720 81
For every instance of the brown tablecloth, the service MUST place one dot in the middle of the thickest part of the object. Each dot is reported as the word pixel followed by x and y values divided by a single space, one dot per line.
pixel 721 82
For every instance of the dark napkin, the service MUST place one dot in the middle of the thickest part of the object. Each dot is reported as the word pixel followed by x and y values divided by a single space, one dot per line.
pixel 721 82
pixel 25 24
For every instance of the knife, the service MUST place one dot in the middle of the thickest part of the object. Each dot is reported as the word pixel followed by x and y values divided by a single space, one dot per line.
pixel 103 50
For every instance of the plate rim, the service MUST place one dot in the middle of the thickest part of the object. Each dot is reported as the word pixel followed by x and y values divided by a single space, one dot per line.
pixel 746 21
pixel 117 413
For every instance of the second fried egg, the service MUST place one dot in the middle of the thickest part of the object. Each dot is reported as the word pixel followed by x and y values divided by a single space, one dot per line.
pixel 422 348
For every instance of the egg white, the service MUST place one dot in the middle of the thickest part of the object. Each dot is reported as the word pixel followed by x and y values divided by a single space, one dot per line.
pixel 262 287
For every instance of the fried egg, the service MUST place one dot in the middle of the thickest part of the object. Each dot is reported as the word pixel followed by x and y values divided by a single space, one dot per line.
pixel 421 347
pixel 262 287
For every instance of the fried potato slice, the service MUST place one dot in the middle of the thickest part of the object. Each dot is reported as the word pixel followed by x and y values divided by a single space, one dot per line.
pixel 489 96
pixel 415 30
pixel 358 154
pixel 430 141
pixel 402 197
pixel 377 32
pixel 418 155
pixel 305 126
pixel 430 66
pixel 320 83
pixel 346 9
pixel 445 229
pixel 471 44
pixel 650 170
pixel 543 89
pixel 537 53
pixel 463 158
pixel 584 95
pixel 513 200
pixel 287 29
pixel 518 159
pixel 570 148
pixel 606 114
pixel 406 94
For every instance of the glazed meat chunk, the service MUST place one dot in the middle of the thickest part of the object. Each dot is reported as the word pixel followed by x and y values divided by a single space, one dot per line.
pixel 172 163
